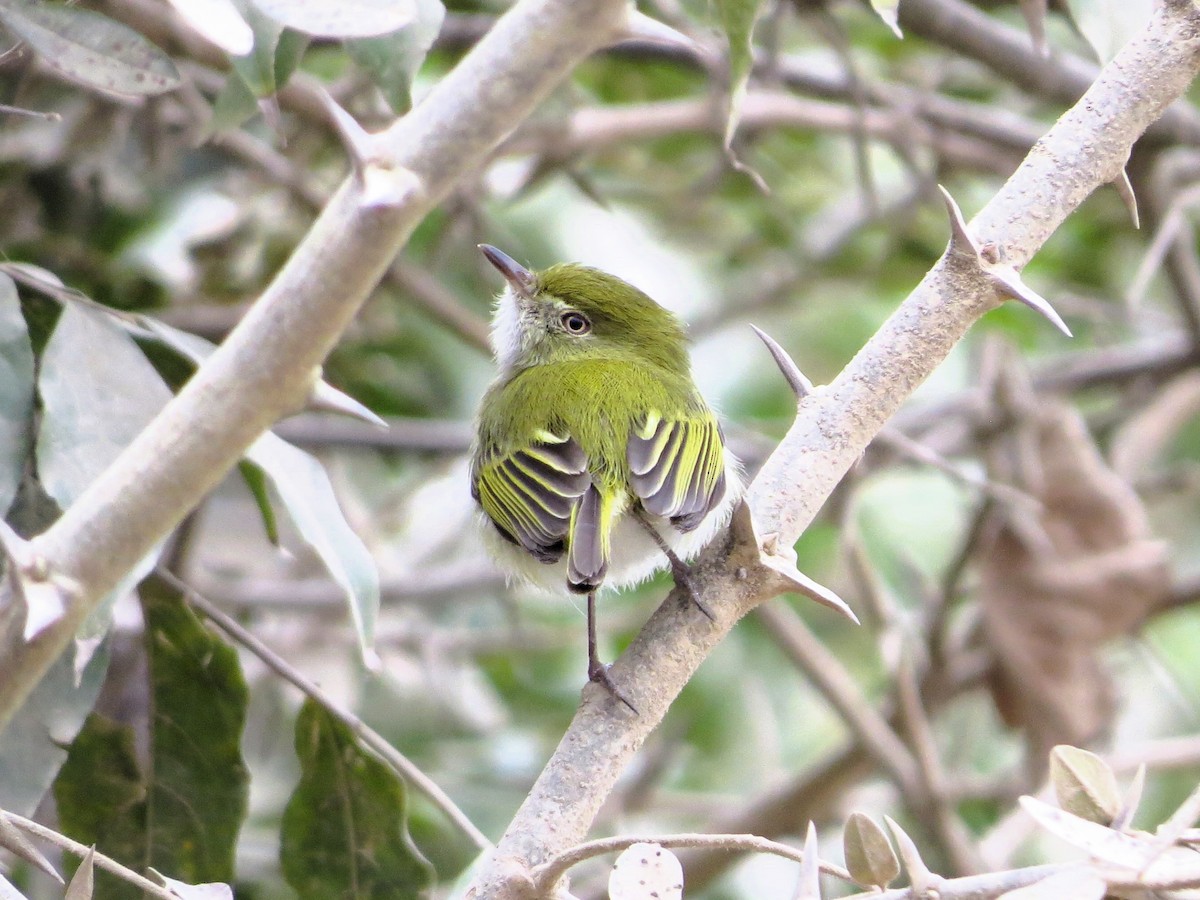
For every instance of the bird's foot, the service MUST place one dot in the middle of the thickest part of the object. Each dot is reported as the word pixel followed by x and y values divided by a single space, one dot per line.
pixel 683 579
pixel 598 673
pixel 679 569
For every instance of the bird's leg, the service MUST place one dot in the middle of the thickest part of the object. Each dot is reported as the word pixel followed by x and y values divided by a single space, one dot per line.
pixel 679 569
pixel 598 671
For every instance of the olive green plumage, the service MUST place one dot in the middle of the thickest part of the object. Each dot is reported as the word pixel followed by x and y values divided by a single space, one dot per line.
pixel 593 416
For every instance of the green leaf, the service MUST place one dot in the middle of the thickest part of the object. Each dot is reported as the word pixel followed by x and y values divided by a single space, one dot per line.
pixel 344 829
pixel 101 799
pixel 16 392
pixel 256 481
pixel 344 19
pixel 98 392
pixel 32 746
pixel 257 68
pixel 234 106
pixel 182 812
pixel 288 51
pixel 737 20
pixel 90 48
pixel 304 488
pixel 199 792
pixel 393 60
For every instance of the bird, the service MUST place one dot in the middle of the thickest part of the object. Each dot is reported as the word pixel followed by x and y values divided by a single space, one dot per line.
pixel 596 460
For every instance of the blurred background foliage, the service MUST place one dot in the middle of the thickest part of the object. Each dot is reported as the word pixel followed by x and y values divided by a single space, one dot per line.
pixel 183 204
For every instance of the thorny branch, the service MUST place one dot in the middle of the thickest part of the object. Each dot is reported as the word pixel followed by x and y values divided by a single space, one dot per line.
pixel 1085 149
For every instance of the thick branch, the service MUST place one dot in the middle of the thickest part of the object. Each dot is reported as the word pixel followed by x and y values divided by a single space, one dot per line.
pixel 1083 151
pixel 266 367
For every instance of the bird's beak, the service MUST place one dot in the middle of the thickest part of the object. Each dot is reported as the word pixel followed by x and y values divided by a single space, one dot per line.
pixel 514 273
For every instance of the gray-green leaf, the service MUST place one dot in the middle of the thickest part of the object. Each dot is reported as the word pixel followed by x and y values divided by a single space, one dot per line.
pixel 90 48
pixel 393 59
pixel 16 392
pixel 344 19
pixel 31 747
pixel 1084 784
pixel 1109 24
pixel 737 19
pixel 8 891
pixel 98 392
pixel 304 488
pixel 869 855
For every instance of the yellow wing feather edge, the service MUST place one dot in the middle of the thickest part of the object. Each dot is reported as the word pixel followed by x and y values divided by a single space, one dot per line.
pixel 677 466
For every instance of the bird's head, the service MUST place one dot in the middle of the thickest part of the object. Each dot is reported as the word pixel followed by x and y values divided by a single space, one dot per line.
pixel 569 312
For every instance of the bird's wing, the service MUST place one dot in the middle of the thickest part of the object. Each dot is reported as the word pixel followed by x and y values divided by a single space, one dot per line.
pixel 678 466
pixel 532 495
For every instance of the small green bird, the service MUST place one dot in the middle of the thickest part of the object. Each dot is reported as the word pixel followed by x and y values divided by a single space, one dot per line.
pixel 596 461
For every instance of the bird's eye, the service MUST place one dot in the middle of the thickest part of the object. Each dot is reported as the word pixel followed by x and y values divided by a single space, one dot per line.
pixel 575 323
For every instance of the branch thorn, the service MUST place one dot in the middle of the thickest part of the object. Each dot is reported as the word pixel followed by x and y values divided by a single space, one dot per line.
pixel 14 840
pixel 380 182
pixel 1128 197
pixel 809 887
pixel 324 397
pixel 359 143
pixel 43 594
pixel 640 27
pixel 922 881
pixel 1008 280
pixel 800 384
pixel 780 563
pixel 961 242
pixel 990 260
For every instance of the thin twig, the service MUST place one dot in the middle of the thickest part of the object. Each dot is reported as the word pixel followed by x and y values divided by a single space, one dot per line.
pixel 838 687
pixel 946 823
pixel 547 875
pixel 369 737
pixel 441 303
pixel 104 862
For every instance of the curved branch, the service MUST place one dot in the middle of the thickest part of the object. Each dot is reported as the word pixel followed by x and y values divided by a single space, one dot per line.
pixel 1085 149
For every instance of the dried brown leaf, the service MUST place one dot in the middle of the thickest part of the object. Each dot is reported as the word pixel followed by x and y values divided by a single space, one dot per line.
pixel 1058 583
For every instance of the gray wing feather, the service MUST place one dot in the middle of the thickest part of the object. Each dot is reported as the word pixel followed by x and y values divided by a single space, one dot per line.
pixel 586 562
